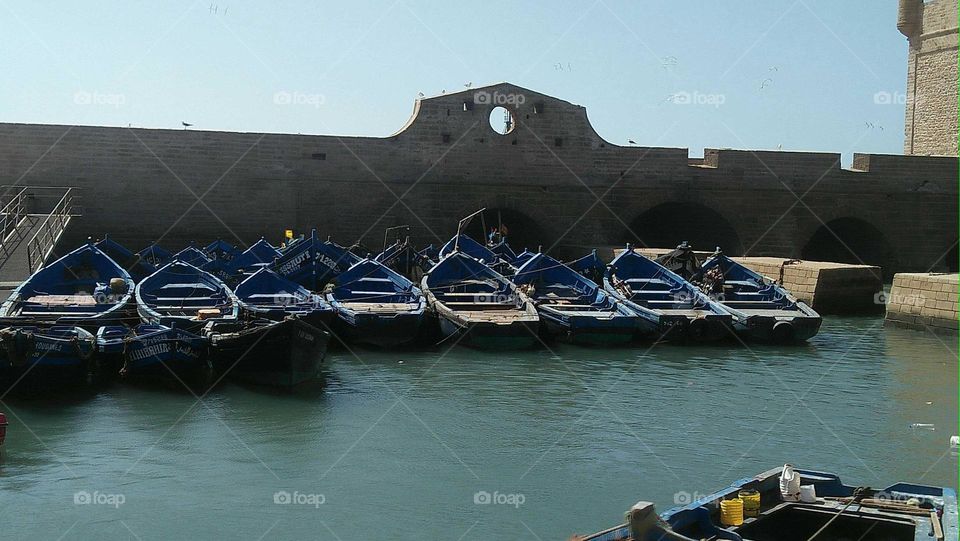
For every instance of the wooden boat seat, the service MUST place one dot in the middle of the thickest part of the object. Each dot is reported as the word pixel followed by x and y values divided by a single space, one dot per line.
pixel 475 306
pixel 61 300
pixel 466 293
pixel 378 306
pixel 567 306
pixel 374 279
pixel 647 281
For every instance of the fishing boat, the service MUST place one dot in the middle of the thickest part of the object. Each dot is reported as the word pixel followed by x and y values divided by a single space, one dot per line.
pixel 376 305
pixel 136 266
pixel 403 258
pixel 278 353
pixel 181 295
pixel 755 509
pixel 312 263
pixel 478 306
pixel 677 307
pixel 574 308
pixel 83 288
pixel 53 355
pixel 465 244
pixel 192 255
pixel 762 309
pixel 503 251
pixel 259 254
pixel 590 266
pixel 267 295
pixel 221 250
pixel 150 351
pixel 155 255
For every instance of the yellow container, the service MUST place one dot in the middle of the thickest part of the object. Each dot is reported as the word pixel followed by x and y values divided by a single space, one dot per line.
pixel 731 512
pixel 751 502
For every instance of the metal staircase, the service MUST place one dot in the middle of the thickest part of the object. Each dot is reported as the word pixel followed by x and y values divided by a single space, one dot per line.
pixel 29 232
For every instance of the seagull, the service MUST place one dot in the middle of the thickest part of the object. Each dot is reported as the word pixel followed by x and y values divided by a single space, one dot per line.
pixel 186 124
pixel 780 146
pixel 420 94
pixel 765 82
pixel 774 68
pixel 443 91
pixel 468 84
pixel 631 141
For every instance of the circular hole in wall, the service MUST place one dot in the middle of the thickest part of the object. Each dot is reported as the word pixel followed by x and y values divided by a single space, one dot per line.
pixel 501 120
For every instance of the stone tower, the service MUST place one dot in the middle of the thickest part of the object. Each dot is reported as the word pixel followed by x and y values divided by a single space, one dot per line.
pixel 931 97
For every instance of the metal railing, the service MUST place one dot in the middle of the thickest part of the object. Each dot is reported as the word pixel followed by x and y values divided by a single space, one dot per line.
pixel 49 231
pixel 13 212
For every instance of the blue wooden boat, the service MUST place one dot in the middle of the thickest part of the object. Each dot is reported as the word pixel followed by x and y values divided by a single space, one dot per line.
pixel 267 295
pixel 474 249
pixel 155 255
pixel 522 257
pixel 278 353
pixel 478 306
pixel 431 254
pixel 312 263
pixel 679 309
pixel 899 512
pixel 150 351
pixel 192 255
pixel 221 250
pixel 259 254
pixel 504 251
pixel 136 266
pixel 181 295
pixel 762 310
pixel 50 355
pixel 590 266
pixel 403 258
pixel 376 305
pixel 83 288
pixel 574 308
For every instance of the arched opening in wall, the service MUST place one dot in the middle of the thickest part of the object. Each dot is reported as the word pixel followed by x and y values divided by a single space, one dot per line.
pixel 668 224
pixel 522 231
pixel 501 120
pixel 849 240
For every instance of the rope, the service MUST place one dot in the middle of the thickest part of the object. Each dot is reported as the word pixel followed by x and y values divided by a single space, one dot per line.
pixel 858 494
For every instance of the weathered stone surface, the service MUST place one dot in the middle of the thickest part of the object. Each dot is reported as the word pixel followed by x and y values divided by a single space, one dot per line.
pixel 924 300
pixel 553 180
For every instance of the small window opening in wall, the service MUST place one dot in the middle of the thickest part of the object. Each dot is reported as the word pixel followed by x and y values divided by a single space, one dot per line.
pixel 538 108
pixel 446 137
pixel 558 141
pixel 514 142
pixel 319 155
pixel 448 112
pixel 468 105
pixel 527 117
pixel 501 120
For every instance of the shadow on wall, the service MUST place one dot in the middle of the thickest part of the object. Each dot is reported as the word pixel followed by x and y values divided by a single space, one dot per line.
pixel 849 240
pixel 668 224
pixel 522 231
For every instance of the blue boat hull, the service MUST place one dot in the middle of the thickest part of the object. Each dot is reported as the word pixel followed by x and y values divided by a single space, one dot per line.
pixel 54 355
pixel 168 353
pixel 589 331
pixel 776 330
pixel 516 335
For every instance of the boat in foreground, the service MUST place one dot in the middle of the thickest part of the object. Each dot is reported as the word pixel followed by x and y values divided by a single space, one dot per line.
pixel 277 353
pixel 151 351
pixel 376 305
pixel 84 288
pixel 762 310
pixel 827 510
pixel 50 356
pixel 677 307
pixel 478 306
pixel 574 308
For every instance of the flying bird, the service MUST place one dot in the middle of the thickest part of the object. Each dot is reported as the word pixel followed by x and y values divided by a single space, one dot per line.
pixel 766 82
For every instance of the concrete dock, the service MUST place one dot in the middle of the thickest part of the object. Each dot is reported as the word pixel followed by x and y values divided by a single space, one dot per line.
pixel 924 301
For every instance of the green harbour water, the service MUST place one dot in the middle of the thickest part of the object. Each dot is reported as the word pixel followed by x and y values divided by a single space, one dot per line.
pixel 459 444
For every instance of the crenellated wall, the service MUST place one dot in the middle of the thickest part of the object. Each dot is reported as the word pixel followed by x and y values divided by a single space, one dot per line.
pixel 552 179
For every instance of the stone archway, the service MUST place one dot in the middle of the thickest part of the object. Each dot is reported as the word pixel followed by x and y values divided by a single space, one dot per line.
pixel 668 224
pixel 522 230
pixel 849 240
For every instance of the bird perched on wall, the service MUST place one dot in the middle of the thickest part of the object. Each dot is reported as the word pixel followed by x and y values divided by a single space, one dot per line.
pixel 468 84
pixel 420 94
pixel 632 142
pixel 186 124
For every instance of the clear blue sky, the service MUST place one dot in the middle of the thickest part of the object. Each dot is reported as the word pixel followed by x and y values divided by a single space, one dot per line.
pixel 802 74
